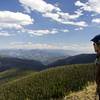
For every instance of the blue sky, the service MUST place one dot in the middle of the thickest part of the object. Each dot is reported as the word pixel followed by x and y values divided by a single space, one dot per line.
pixel 49 24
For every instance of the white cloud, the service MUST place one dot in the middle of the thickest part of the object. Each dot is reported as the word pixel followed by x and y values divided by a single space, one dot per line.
pixel 51 11
pixel 30 45
pixel 83 48
pixel 80 28
pixel 10 26
pixel 65 30
pixel 80 4
pixel 60 16
pixel 43 31
pixel 96 20
pixel 4 34
pixel 66 18
pixel 40 32
pixel 39 5
pixel 91 5
pixel 81 23
pixel 27 10
pixel 15 20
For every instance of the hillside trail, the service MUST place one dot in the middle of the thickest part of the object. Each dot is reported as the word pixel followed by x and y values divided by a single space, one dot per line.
pixel 88 93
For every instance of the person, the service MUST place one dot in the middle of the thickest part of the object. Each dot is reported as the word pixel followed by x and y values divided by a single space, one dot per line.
pixel 96 44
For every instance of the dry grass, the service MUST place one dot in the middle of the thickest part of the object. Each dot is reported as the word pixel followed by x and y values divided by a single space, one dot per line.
pixel 87 93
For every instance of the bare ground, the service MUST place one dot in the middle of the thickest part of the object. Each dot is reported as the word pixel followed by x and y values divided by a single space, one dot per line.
pixel 88 93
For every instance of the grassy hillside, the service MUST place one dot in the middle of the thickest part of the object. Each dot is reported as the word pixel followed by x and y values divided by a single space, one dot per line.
pixel 13 74
pixel 47 84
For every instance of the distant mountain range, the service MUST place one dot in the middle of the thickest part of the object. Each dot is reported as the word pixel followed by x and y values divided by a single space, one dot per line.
pixel 23 64
pixel 77 59
pixel 40 59
pixel 45 56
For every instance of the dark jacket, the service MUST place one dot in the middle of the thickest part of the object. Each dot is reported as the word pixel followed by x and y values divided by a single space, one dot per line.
pixel 98 74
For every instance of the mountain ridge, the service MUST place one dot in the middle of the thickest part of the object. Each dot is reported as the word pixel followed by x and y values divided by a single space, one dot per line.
pixel 77 59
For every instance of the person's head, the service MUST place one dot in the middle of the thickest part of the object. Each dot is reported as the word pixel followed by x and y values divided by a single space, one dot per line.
pixel 96 44
pixel 96 47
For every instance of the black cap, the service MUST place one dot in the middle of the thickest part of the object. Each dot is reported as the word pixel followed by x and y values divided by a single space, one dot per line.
pixel 96 39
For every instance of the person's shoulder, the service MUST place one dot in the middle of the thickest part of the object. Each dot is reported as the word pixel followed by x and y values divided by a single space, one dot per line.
pixel 97 61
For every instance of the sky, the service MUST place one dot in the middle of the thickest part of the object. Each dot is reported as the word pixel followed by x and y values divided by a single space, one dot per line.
pixel 49 24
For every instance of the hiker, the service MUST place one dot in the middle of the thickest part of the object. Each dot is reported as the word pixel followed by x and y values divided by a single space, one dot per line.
pixel 96 44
